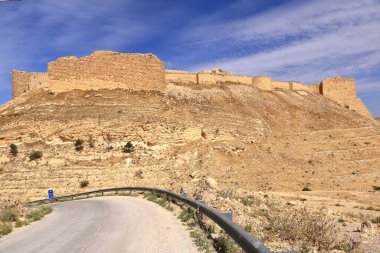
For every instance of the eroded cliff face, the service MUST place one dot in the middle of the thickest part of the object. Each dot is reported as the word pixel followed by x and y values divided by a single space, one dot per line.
pixel 239 135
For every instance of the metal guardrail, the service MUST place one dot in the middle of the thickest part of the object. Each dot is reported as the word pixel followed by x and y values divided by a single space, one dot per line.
pixel 244 239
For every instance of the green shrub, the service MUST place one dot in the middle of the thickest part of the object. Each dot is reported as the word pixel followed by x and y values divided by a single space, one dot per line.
pixel 78 145
pixel 35 155
pixel 21 223
pixel 39 213
pixel 306 189
pixel 5 228
pixel 224 244
pixel 13 149
pixel 248 228
pixel 187 214
pixel 247 201
pixel 8 215
pixel 84 183
pixel 376 188
pixel 128 148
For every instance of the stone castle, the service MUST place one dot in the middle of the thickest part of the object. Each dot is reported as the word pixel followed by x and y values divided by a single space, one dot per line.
pixel 113 70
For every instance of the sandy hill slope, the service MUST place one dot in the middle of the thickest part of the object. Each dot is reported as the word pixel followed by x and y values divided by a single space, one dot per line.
pixel 238 135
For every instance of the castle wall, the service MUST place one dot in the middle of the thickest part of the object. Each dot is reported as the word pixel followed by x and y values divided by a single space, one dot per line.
pixel 106 69
pixel 343 91
pixel 208 79
pixel 181 78
pixel 247 80
pixel 298 86
pixel 262 82
pixel 314 88
pixel 204 78
pixel 281 85
pixel 112 70
pixel 24 81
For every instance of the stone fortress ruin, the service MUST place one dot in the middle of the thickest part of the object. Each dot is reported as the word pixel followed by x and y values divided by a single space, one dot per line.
pixel 113 70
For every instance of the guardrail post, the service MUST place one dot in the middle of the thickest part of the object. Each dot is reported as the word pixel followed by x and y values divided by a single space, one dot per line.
pixel 200 214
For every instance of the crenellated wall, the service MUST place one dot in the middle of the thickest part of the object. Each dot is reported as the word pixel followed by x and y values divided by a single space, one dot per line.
pixel 113 70
pixel 107 69
pixel 100 70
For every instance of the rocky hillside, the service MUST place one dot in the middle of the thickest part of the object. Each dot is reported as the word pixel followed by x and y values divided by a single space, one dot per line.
pixel 227 136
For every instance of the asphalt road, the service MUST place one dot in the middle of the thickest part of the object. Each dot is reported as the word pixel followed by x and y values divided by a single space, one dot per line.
pixel 104 224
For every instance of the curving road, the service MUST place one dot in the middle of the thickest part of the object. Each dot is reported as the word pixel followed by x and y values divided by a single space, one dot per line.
pixel 105 224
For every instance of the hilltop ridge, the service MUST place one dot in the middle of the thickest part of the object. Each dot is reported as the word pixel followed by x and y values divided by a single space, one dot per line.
pixel 113 70
pixel 239 135
pixel 249 132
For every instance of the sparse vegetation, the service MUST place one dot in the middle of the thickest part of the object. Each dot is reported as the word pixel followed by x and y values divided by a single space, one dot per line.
pixel 306 189
pixel 84 183
pixel 21 223
pixel 12 217
pixel 376 220
pixel 223 244
pixel 258 213
pixel 78 144
pixel 341 220
pixel 109 141
pixel 39 213
pixel 5 228
pixel 160 200
pixel 139 173
pixel 227 193
pixel 13 149
pixel 8 215
pixel 128 148
pixel 376 188
pixel 303 229
pixel 91 142
pixel 35 155
pixel 248 201
pixel 248 228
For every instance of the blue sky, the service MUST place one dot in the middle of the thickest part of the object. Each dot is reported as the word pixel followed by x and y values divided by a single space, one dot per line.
pixel 289 40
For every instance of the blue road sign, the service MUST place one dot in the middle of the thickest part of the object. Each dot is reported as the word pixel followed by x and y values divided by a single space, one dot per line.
pixel 51 194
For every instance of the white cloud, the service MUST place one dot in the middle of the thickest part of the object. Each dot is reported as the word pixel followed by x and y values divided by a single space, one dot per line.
pixel 302 40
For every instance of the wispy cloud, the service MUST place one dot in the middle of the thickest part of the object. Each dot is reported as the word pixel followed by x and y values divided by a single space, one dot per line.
pixel 302 40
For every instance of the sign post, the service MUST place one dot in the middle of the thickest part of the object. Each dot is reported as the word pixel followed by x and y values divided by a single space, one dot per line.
pixel 50 194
